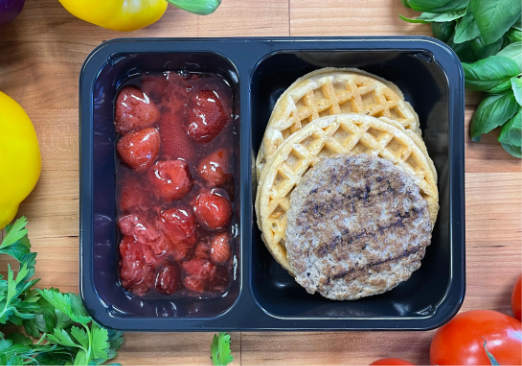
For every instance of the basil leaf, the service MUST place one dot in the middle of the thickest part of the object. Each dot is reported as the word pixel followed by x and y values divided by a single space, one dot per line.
pixel 514 52
pixel 516 86
pixel 501 87
pixel 443 31
pixel 427 17
pixel 515 151
pixel 202 7
pixel 487 73
pixel 482 50
pixel 438 6
pixel 514 35
pixel 511 132
pixel 492 112
pixel 494 18
pixel 405 3
pixel 466 29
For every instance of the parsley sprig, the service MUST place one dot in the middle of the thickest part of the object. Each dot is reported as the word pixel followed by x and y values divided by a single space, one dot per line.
pixel 220 352
pixel 45 327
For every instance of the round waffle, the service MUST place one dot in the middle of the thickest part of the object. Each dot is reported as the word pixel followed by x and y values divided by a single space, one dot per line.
pixel 329 91
pixel 347 134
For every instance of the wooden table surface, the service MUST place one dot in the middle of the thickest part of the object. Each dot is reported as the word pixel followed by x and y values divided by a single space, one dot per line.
pixel 40 58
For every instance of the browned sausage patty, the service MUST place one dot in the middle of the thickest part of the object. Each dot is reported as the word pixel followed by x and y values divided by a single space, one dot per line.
pixel 357 226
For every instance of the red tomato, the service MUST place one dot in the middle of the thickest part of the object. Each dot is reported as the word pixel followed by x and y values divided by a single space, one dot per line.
pixel 212 211
pixel 133 195
pixel 139 149
pixel 516 298
pixel 198 272
pixel 214 168
pixel 461 341
pixel 206 117
pixel 167 280
pixel 391 361
pixel 220 248
pixel 170 179
pixel 134 110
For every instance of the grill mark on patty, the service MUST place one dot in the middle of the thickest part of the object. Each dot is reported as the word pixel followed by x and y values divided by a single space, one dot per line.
pixel 339 240
pixel 374 264
pixel 319 209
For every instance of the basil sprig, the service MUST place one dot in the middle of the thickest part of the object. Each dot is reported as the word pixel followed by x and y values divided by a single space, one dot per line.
pixel 487 37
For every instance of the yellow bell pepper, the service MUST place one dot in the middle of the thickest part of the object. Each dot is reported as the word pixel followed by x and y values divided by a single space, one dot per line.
pixel 120 15
pixel 19 158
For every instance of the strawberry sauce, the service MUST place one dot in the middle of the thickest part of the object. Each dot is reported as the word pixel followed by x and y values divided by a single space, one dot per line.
pixel 176 181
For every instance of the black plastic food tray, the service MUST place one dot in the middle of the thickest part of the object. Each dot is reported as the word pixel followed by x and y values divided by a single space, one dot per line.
pixel 264 296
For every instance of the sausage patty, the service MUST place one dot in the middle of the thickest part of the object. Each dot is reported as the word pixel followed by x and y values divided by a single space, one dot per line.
pixel 357 226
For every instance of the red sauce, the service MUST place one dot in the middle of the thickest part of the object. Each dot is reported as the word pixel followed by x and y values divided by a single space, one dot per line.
pixel 176 183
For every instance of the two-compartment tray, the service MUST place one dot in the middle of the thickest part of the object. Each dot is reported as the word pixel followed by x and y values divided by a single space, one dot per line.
pixel 264 296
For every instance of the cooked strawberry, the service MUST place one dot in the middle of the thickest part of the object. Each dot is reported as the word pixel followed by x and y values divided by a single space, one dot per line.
pixel 139 149
pixel 134 195
pixel 202 250
pixel 170 179
pixel 197 274
pixel 136 271
pixel 212 211
pixel 179 225
pixel 206 116
pixel 134 110
pixel 167 280
pixel 139 227
pixel 215 168
pixel 175 144
pixel 220 248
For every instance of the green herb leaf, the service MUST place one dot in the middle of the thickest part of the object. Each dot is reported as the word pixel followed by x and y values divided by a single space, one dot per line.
pixel 514 35
pixel 492 112
pixel 443 30
pixel 516 86
pixel 513 51
pixel 202 7
pixel 511 132
pixel 494 18
pixel 428 17
pixel 14 232
pixel 438 6
pixel 488 73
pixel 220 350
pixel 466 29
pixel 100 342
pixel 69 304
pixel 81 336
pixel 515 151
pixel 60 336
pixel 81 358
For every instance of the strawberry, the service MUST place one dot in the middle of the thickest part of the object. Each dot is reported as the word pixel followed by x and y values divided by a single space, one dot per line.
pixel 136 274
pixel 134 110
pixel 170 179
pixel 133 194
pixel 175 144
pixel 212 211
pixel 138 227
pixel 202 250
pixel 197 274
pixel 220 248
pixel 215 168
pixel 206 116
pixel 139 149
pixel 179 224
pixel 167 279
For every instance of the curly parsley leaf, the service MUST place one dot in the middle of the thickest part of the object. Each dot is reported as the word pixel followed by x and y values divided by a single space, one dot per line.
pixel 220 350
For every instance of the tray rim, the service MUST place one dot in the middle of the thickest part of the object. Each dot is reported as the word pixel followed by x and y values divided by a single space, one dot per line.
pixel 456 289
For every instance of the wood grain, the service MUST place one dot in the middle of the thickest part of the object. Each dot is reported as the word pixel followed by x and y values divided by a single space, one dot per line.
pixel 41 54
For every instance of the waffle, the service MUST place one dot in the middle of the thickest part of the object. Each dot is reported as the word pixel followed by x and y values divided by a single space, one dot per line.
pixel 347 134
pixel 331 91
